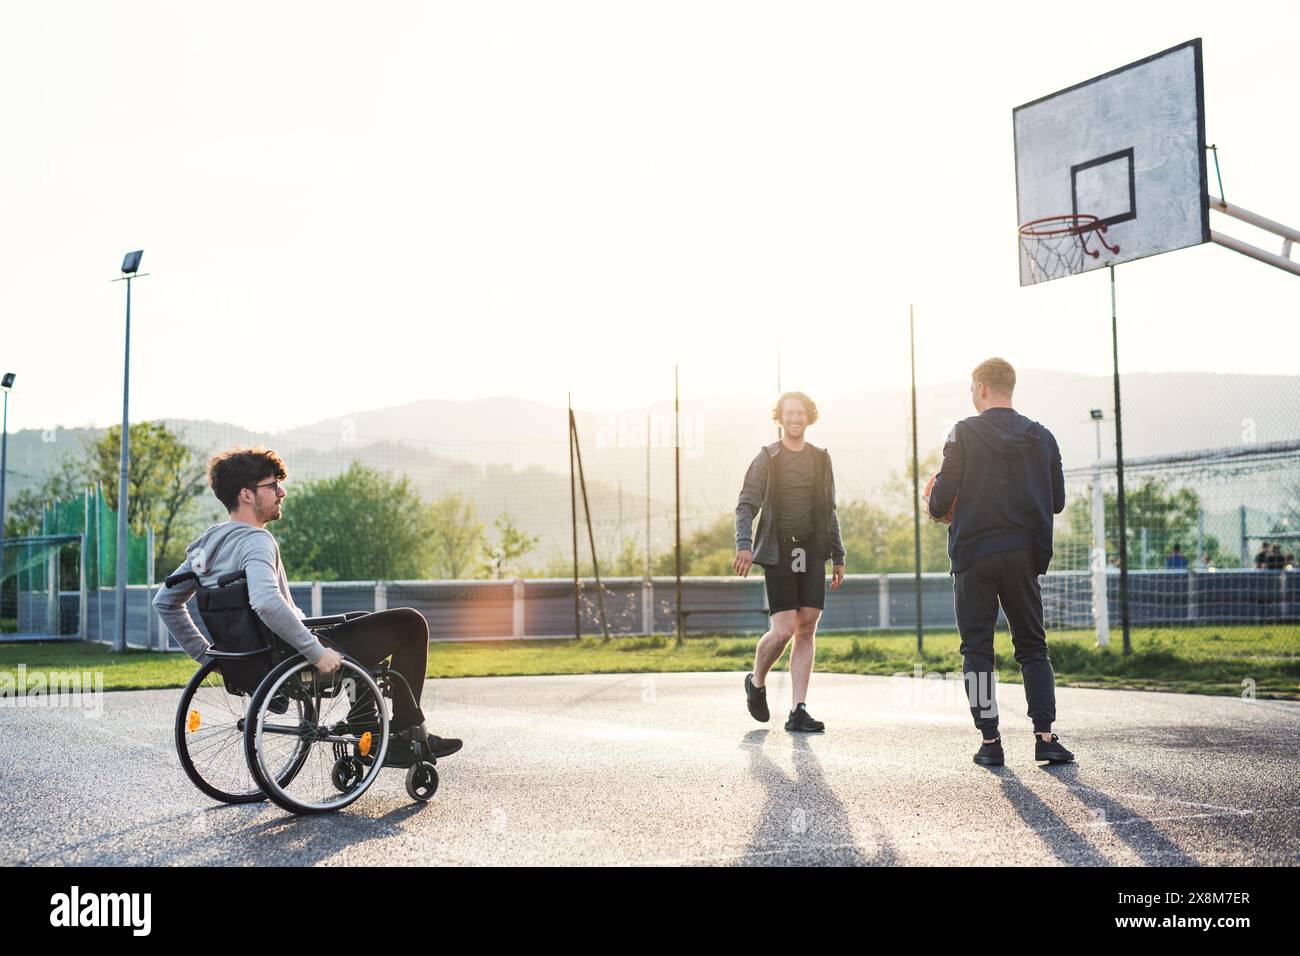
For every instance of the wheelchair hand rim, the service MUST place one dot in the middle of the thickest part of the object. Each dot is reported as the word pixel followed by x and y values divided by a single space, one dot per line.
pixel 258 732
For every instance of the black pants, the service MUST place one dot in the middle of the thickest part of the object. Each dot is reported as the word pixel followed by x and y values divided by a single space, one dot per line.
pixel 401 633
pixel 1009 578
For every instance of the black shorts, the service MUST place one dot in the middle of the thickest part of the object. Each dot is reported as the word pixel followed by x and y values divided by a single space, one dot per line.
pixel 787 589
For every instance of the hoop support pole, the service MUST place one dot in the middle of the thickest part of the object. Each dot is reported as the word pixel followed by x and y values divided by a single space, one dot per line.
pixel 1288 235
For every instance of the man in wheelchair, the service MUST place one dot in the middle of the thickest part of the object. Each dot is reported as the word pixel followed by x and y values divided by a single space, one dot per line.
pixel 249 482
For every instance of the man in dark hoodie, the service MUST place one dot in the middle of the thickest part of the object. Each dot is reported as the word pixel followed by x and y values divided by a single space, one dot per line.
pixel 249 482
pixel 1003 473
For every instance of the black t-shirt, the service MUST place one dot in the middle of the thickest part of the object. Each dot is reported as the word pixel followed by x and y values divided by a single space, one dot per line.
pixel 798 491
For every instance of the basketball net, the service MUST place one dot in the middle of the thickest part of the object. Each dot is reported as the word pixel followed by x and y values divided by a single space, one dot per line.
pixel 1056 246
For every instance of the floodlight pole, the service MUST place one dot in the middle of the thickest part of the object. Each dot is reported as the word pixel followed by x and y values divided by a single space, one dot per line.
pixel 1119 474
pixel 119 635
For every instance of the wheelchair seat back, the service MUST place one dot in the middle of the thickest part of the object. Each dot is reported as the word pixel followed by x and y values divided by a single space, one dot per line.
pixel 235 629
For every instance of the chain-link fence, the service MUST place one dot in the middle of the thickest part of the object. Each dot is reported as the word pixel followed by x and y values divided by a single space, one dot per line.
pixel 483 491
pixel 62 581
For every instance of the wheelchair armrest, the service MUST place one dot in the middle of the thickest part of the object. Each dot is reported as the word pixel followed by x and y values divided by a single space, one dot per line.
pixel 326 621
pixel 235 655
pixel 331 619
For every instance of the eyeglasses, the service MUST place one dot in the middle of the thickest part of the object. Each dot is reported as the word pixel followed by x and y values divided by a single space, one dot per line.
pixel 275 485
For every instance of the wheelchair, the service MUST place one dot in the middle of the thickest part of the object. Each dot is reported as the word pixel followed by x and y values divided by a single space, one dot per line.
pixel 257 719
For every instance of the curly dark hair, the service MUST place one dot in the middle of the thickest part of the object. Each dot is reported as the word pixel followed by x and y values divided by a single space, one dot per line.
pixel 238 468
pixel 809 406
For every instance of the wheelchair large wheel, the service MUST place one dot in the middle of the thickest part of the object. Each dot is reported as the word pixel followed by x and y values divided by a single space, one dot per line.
pixel 338 744
pixel 210 734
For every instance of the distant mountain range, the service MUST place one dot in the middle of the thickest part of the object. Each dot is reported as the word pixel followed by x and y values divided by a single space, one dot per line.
pixel 508 454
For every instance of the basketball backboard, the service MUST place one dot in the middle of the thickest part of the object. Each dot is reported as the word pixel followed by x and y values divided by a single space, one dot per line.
pixel 1113 169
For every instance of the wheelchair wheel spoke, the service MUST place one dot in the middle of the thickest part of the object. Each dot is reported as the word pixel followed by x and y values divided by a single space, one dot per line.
pixel 209 736
pixel 320 760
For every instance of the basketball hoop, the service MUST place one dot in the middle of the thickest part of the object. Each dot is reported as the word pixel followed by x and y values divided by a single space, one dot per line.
pixel 1055 245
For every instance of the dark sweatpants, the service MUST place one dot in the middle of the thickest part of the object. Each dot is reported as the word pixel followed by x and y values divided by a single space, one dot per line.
pixel 401 632
pixel 1008 577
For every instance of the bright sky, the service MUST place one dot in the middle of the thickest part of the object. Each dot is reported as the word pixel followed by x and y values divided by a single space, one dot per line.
pixel 346 207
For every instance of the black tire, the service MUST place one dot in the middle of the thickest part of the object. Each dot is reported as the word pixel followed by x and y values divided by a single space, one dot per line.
pixel 283 680
pixel 226 721
pixel 422 781
pixel 347 773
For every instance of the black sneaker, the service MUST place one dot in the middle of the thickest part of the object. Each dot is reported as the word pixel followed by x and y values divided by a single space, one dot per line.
pixel 400 752
pixel 990 755
pixel 443 746
pixel 1053 752
pixel 756 700
pixel 801 721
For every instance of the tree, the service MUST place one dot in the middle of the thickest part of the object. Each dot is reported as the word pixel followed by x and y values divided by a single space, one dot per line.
pixel 360 525
pixel 879 540
pixel 511 545
pixel 23 514
pixel 708 551
pixel 456 536
pixel 1169 516
pixel 164 477
pixel 630 560
pixel 880 537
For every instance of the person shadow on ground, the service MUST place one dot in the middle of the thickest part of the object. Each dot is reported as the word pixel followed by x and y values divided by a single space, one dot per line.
pixel 802 821
pixel 1067 845
pixel 1141 835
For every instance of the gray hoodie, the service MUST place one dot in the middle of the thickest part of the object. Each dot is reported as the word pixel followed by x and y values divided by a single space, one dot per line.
pixel 761 491
pixel 234 546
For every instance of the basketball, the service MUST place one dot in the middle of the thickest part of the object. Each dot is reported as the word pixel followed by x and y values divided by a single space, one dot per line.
pixel 929 486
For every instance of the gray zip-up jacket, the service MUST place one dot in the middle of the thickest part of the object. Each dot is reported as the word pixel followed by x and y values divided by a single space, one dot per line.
pixel 232 546
pixel 757 497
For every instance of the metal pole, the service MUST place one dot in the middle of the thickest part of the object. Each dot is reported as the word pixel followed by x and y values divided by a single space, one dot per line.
pixel 4 471
pixel 573 514
pixel 677 500
pixel 1217 174
pixel 591 535
pixel 1097 558
pixel 1245 542
pixel 52 624
pixel 1100 586
pixel 1119 474
pixel 82 605
pixel 647 496
pixel 99 559
pixel 149 615
pixel 916 489
pixel 119 635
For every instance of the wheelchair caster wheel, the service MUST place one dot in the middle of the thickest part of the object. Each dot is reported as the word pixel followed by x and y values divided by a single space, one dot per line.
pixel 422 781
pixel 347 773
